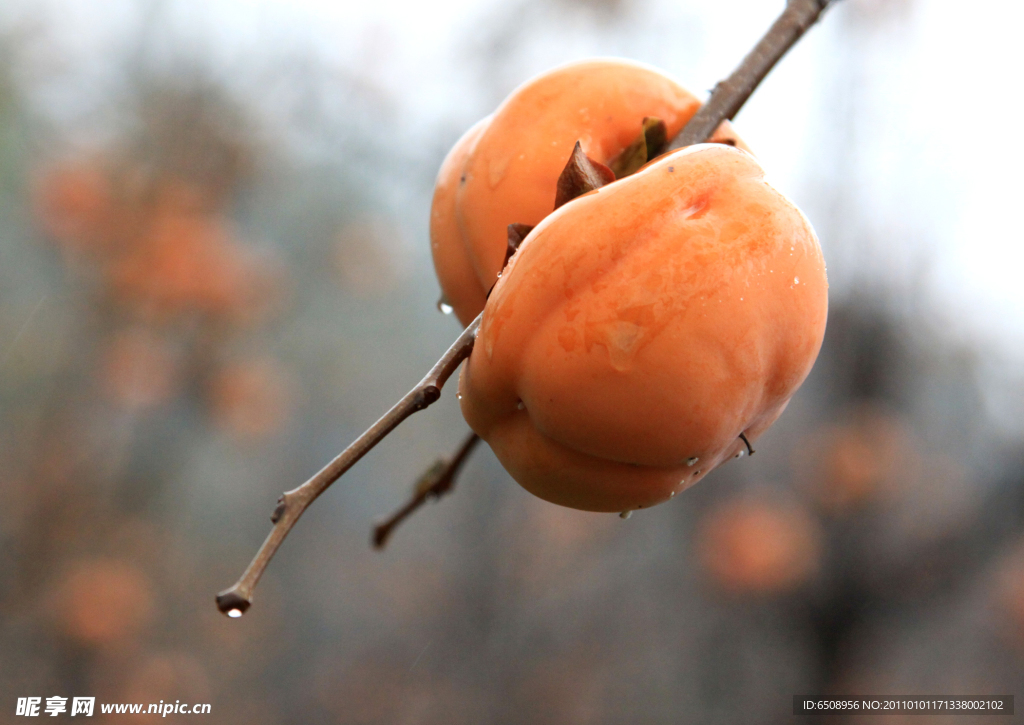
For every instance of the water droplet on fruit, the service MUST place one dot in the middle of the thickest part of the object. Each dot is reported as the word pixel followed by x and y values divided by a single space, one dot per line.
pixel 625 514
pixel 234 613
pixel 740 454
pixel 796 280
pixel 458 396
pixel 496 169
pixel 671 494
pixel 691 461
pixel 444 307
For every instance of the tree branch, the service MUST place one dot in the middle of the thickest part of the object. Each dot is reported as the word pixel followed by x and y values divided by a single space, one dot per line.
pixel 730 95
pixel 435 482
pixel 292 504
pixel 725 101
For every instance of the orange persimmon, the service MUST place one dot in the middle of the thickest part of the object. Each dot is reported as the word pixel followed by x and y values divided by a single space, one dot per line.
pixel 641 328
pixel 505 168
pixel 759 546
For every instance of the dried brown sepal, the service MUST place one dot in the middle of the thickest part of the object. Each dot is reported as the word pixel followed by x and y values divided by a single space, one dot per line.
pixel 516 234
pixel 649 143
pixel 580 175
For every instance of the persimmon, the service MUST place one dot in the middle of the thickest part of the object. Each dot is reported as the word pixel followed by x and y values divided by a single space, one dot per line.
pixel 505 168
pixel 642 328
pixel 749 545
pixel 250 399
pixel 139 369
pixel 104 601
pixel 618 352
pixel 1009 592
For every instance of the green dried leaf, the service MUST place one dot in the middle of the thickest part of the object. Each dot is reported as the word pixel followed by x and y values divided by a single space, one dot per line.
pixel 648 144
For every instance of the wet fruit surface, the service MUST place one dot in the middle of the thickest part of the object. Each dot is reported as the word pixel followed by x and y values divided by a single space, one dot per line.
pixel 643 327
pixel 504 170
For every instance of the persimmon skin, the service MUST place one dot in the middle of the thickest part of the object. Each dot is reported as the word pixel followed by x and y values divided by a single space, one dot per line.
pixel 642 327
pixel 504 170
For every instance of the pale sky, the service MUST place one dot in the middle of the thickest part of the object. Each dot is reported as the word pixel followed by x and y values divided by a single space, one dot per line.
pixel 935 183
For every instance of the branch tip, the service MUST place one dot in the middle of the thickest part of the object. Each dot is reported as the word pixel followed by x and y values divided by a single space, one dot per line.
pixel 232 604
pixel 293 504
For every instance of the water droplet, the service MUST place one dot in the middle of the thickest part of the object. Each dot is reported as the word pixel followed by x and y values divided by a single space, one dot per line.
pixel 796 280
pixel 740 454
pixel 444 307
pixel 625 514
pixel 691 461
pixel 671 494
pixel 521 406
pixel 458 396
pixel 234 613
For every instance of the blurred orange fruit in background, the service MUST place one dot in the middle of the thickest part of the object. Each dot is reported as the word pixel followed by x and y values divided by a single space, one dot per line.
pixel 104 601
pixel 759 546
pixel 251 398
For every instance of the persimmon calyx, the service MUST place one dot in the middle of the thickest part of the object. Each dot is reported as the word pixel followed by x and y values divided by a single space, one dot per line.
pixel 580 175
pixel 516 234
pixel 649 143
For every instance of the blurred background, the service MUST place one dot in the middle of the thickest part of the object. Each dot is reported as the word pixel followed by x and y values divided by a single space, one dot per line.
pixel 214 273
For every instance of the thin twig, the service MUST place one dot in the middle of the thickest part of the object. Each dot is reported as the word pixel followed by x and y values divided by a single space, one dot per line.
pixel 292 504
pixel 730 95
pixel 435 482
pixel 725 101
